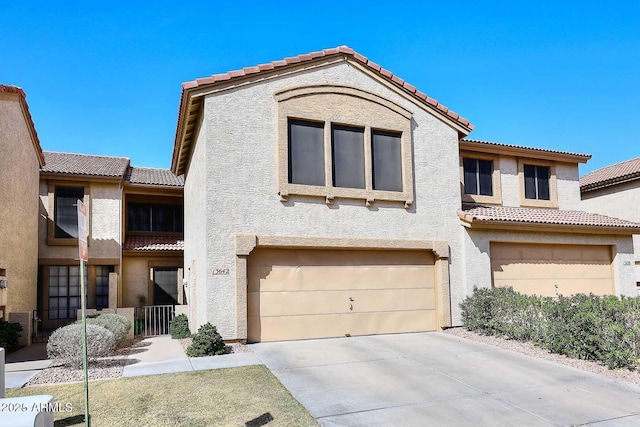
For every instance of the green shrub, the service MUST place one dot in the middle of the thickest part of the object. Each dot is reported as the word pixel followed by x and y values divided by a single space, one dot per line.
pixel 605 329
pixel 179 327
pixel 65 344
pixel 116 324
pixel 207 342
pixel 9 334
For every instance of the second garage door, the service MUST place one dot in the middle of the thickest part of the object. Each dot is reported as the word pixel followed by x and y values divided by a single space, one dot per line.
pixel 300 294
pixel 546 269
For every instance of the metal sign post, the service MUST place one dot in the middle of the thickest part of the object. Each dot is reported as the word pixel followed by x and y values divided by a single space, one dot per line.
pixel 83 250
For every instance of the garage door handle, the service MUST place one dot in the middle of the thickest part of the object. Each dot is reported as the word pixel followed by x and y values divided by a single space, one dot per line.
pixel 350 299
pixel 350 306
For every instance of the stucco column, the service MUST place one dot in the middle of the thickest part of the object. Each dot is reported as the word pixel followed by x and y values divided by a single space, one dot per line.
pixel 443 293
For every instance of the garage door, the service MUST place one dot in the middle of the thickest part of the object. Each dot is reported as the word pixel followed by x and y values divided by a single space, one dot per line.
pixel 538 269
pixel 299 294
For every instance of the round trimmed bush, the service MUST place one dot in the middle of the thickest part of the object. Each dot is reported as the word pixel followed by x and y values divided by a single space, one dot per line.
pixel 116 324
pixel 65 344
pixel 207 342
pixel 179 327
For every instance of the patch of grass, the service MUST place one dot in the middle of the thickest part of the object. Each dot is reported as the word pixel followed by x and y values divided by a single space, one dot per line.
pixel 224 397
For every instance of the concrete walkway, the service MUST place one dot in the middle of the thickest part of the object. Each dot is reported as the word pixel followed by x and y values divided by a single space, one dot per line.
pixel 22 365
pixel 151 356
pixel 163 355
pixel 441 380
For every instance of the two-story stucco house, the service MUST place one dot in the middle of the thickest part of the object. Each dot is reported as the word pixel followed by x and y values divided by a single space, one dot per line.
pixel 524 227
pixel 615 190
pixel 323 197
pixel 20 164
pixel 135 236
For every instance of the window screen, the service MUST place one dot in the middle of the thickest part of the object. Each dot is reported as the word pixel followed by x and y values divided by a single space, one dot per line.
pixel 477 176
pixel 155 217
pixel 64 291
pixel 66 211
pixel 102 285
pixel 306 152
pixel 536 182
pixel 387 161
pixel 470 167
pixel 347 145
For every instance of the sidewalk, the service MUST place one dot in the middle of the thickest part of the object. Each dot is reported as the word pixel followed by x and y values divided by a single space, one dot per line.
pixel 151 356
pixel 163 355
pixel 22 365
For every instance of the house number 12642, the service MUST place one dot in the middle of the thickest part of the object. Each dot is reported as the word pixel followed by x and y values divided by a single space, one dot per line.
pixel 220 271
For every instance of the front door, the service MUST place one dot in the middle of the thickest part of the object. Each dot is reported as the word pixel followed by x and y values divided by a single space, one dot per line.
pixel 165 286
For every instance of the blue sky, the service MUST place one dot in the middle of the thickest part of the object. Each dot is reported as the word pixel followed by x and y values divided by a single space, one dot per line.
pixel 106 78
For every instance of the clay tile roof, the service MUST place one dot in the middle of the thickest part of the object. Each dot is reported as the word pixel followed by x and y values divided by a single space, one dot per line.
pixel 32 128
pixel 340 50
pixel 153 243
pixel 153 176
pixel 472 213
pixel 610 175
pixel 541 150
pixel 83 164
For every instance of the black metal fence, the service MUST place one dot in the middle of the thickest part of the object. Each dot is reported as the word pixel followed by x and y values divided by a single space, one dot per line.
pixel 153 320
pixel 45 322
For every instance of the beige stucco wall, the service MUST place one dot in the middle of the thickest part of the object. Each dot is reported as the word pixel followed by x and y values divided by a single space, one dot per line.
pixel 235 178
pixel 135 280
pixel 477 252
pixel 197 233
pixel 567 183
pixel 620 201
pixel 19 174
pixel 136 276
pixel 104 222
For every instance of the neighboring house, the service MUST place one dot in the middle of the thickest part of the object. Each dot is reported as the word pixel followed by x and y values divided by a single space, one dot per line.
pixel 523 226
pixel 20 164
pixel 615 190
pixel 135 235
pixel 321 194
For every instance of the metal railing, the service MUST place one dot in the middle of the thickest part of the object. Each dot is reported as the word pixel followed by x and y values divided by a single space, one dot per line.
pixel 153 320
pixel 46 321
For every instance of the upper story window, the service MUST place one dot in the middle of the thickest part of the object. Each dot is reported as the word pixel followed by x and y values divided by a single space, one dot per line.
pixel 342 142
pixel 66 211
pixel 154 217
pixel 306 152
pixel 478 176
pixel 536 182
pixel 480 180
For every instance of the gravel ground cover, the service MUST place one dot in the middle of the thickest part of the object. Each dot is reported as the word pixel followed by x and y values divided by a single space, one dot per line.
pixel 106 367
pixel 531 350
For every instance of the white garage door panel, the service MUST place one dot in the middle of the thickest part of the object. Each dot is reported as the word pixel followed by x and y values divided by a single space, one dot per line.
pixel 552 269
pixel 299 294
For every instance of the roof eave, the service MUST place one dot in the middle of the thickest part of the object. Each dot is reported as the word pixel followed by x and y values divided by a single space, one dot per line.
pixel 524 152
pixel 189 112
pixel 80 177
pixel 610 182
pixel 483 224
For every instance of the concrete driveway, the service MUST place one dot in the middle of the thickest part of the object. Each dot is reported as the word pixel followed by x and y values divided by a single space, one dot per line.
pixel 434 379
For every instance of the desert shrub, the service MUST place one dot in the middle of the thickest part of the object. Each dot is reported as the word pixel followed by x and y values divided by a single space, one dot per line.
pixel 605 329
pixel 116 324
pixel 179 327
pixel 207 342
pixel 9 334
pixel 65 344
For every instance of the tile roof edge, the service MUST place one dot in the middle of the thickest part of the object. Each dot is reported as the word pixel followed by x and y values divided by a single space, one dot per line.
pixel 26 112
pixel 400 83
pixel 544 150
